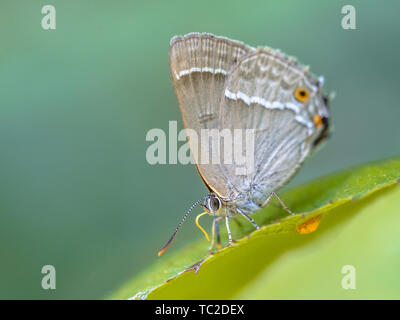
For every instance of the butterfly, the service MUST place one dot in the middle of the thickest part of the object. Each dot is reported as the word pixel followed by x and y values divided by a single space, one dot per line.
pixel 223 84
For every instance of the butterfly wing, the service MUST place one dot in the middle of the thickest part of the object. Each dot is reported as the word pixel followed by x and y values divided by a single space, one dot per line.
pixel 199 64
pixel 259 94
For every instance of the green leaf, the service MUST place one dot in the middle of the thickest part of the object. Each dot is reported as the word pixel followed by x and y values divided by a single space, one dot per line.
pixel 359 214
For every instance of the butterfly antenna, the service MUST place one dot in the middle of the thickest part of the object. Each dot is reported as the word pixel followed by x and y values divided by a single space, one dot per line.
pixel 179 226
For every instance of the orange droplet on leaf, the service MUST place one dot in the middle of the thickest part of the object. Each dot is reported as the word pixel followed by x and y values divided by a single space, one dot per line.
pixel 310 225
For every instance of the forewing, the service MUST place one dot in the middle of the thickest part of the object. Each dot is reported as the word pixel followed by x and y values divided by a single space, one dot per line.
pixel 199 64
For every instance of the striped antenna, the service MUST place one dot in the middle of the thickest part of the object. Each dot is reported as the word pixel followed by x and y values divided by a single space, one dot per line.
pixel 179 225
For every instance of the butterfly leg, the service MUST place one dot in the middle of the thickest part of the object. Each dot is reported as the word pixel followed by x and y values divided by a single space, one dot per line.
pixel 212 236
pixel 248 218
pixel 228 229
pixel 272 194
pixel 215 223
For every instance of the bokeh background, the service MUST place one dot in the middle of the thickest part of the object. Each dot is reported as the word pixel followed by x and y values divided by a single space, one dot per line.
pixel 76 103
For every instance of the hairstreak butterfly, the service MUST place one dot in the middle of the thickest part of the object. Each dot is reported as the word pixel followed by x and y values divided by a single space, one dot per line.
pixel 222 84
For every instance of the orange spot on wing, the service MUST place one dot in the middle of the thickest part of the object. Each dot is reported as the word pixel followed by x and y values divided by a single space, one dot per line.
pixel 317 120
pixel 310 225
pixel 302 94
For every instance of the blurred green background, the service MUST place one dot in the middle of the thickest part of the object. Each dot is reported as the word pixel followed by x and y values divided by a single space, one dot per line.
pixel 76 191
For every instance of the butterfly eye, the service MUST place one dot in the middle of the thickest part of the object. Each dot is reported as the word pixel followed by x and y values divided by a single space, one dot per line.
pixel 302 94
pixel 216 204
pixel 213 202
